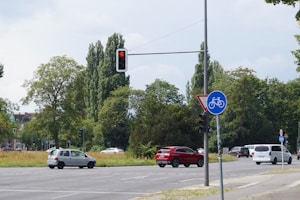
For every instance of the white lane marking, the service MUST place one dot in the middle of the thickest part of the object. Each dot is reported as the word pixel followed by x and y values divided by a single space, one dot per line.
pixel 192 179
pixel 134 177
pixel 158 179
pixel 63 196
pixel 248 185
pixel 294 184
pixel 78 192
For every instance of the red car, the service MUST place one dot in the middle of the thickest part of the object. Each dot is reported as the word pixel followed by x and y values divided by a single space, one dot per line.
pixel 176 155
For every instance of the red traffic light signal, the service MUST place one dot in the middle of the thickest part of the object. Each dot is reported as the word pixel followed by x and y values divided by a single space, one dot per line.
pixel 121 60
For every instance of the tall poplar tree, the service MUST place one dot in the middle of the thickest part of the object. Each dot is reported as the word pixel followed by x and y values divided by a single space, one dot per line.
pixel 1 70
pixel 110 79
pixel 94 58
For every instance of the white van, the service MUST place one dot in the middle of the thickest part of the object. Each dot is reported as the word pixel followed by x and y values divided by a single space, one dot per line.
pixel 271 153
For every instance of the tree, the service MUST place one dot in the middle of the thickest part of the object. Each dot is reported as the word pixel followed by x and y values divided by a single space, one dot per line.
pixel 1 70
pixel 160 117
pixel 242 117
pixel 287 2
pixel 49 90
pixel 109 78
pixel 94 59
pixel 296 53
pixel 112 125
pixel 6 123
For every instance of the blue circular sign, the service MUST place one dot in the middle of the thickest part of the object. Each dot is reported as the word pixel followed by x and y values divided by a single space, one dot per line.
pixel 281 138
pixel 216 102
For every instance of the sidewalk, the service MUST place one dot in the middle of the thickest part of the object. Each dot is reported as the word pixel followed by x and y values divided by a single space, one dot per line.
pixel 268 186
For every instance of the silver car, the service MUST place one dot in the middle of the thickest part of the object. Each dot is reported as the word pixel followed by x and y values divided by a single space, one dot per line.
pixel 69 157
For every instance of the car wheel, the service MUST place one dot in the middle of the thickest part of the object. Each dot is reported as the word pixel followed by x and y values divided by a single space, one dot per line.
pixel 91 165
pixel 80 167
pixel 175 163
pixel 258 163
pixel 274 161
pixel 298 157
pixel 186 164
pixel 60 165
pixel 161 165
pixel 200 162
pixel 51 166
pixel 290 161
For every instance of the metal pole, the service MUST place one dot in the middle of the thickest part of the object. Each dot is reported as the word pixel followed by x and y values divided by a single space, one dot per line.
pixel 220 157
pixel 206 181
pixel 298 138
pixel 282 160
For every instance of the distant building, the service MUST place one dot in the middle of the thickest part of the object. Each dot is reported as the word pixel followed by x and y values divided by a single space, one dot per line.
pixel 14 143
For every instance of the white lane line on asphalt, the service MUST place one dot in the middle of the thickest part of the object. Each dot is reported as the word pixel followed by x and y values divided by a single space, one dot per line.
pixel 67 195
pixel 70 191
pixel 158 179
pixel 134 177
pixel 248 185
pixel 192 179
pixel 294 184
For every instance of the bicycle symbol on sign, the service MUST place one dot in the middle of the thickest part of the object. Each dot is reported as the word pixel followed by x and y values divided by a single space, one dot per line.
pixel 216 102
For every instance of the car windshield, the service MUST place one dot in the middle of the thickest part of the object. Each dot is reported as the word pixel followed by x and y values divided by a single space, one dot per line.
pixel 262 148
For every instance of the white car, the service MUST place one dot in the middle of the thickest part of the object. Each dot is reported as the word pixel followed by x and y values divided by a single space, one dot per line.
pixel 251 149
pixel 69 157
pixel 112 150
pixel 271 153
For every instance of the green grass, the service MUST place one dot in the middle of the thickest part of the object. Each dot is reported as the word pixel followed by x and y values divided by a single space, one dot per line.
pixel 39 159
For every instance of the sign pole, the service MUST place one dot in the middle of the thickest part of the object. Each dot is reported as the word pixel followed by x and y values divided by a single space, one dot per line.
pixel 216 104
pixel 281 141
pixel 220 157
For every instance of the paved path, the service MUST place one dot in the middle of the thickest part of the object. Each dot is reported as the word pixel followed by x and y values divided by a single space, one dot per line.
pixel 268 186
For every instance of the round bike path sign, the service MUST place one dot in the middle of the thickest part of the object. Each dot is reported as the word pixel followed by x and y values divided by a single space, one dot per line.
pixel 216 102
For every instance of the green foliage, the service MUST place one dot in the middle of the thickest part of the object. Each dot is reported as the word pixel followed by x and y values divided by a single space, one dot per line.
pixel 160 121
pixel 113 128
pixel 296 53
pixel 1 70
pixel 110 79
pixel 52 90
pixel 94 59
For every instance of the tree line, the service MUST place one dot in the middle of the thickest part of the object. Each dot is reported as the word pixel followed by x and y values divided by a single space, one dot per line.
pixel 100 101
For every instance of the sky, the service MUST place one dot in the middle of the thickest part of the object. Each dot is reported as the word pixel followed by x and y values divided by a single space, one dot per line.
pixel 246 33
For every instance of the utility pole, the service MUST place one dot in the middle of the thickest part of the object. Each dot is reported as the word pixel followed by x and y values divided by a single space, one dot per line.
pixel 205 139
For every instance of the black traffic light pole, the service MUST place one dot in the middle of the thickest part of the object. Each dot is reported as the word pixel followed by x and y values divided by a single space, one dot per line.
pixel 205 139
pixel 81 133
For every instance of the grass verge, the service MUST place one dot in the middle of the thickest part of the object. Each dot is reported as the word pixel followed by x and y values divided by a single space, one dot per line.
pixel 39 159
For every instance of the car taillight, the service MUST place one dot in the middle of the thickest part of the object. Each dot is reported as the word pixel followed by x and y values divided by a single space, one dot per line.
pixel 270 153
pixel 56 158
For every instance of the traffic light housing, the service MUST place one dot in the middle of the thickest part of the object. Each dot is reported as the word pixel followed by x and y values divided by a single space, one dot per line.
pixel 81 133
pixel 202 122
pixel 121 60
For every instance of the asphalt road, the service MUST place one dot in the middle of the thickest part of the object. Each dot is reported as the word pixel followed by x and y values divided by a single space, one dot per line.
pixel 117 183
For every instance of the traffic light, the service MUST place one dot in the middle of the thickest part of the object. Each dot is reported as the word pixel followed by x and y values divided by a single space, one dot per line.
pixel 121 60
pixel 202 122
pixel 81 133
